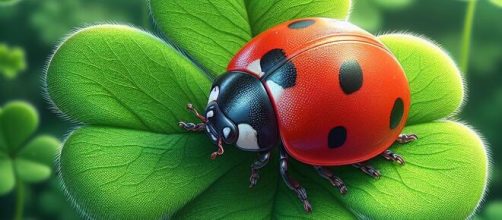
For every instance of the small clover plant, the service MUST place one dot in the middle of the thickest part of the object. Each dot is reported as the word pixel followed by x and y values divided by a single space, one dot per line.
pixel 12 61
pixel 24 158
pixel 129 159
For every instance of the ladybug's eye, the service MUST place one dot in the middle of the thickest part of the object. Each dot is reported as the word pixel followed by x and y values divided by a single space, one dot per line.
pixel 214 94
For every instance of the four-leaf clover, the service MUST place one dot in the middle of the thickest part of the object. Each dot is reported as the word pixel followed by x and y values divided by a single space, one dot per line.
pixel 129 159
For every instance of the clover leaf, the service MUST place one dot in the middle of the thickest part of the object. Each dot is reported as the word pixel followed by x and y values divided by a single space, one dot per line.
pixel 12 61
pixel 23 157
pixel 129 159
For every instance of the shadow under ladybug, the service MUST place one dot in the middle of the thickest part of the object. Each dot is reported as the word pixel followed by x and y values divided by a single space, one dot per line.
pixel 330 92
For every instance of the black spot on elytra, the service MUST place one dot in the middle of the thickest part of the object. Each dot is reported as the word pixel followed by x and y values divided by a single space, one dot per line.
pixel 397 113
pixel 301 24
pixel 337 137
pixel 351 76
pixel 278 68
pixel 271 59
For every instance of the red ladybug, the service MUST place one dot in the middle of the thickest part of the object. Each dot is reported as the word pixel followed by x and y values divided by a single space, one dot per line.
pixel 330 92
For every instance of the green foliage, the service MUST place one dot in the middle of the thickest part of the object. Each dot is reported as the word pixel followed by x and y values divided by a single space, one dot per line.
pixel 394 4
pixel 8 2
pixel 125 78
pixel 497 3
pixel 53 203
pixel 55 18
pixel 434 96
pixel 129 160
pixel 213 31
pixel 22 157
pixel 12 61
pixel 492 211
pixel 366 15
pixel 369 14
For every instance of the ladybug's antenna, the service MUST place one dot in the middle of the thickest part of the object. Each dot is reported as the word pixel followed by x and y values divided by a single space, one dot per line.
pixel 220 150
pixel 192 109
pixel 189 126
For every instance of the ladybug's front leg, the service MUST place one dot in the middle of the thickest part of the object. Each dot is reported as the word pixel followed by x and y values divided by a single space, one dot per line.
pixel 260 162
pixel 292 183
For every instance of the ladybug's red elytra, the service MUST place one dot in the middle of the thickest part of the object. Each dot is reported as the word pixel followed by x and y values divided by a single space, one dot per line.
pixel 325 91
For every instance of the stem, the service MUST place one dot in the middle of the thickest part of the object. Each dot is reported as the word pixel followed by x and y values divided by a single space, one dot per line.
pixel 19 200
pixel 467 35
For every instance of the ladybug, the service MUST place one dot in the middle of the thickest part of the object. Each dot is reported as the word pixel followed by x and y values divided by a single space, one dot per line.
pixel 324 91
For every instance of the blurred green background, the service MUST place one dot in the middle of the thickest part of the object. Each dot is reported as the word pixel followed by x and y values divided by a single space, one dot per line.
pixel 31 29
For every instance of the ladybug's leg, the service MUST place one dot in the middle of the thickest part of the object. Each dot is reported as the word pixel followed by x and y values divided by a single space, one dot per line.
pixel 368 169
pixel 389 155
pixel 192 126
pixel 334 180
pixel 406 138
pixel 260 162
pixel 292 183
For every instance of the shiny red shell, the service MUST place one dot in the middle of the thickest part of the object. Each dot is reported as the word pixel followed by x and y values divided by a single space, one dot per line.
pixel 322 119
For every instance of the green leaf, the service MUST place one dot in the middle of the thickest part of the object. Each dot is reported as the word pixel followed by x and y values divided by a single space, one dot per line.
pixel 444 177
pixel 435 81
pixel 230 198
pixel 446 173
pixel 120 173
pixel 7 178
pixel 30 171
pixel 42 149
pixel 35 161
pixel 18 121
pixel 213 31
pixel 120 76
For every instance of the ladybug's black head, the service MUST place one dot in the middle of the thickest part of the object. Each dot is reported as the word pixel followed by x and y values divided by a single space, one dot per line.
pixel 238 112
pixel 218 125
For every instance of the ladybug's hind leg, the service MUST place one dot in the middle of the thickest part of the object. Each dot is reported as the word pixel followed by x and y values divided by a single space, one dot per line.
pixel 334 180
pixel 292 183
pixel 260 162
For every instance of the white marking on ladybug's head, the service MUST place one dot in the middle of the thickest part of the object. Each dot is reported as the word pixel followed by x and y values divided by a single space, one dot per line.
pixel 226 132
pixel 275 89
pixel 247 137
pixel 255 67
pixel 213 137
pixel 214 94
pixel 211 133
pixel 210 114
